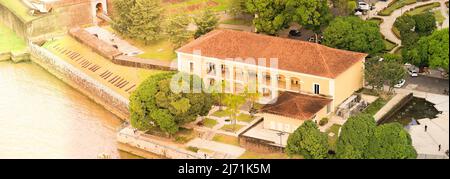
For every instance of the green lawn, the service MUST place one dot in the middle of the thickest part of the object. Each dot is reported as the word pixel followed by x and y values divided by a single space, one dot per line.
pixel 373 108
pixel 232 127
pixel 210 123
pixel 9 41
pixel 256 155
pixel 439 17
pixel 245 118
pixel 226 139
pixel 389 45
pixel 222 113
pixel 396 32
pixel 193 6
pixel 376 20
pixel 397 4
pixel 238 21
pixel 424 8
pixel 333 140
pixel 161 50
pixel 19 9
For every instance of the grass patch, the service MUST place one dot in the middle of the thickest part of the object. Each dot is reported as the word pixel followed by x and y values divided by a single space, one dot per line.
pixel 423 8
pixel 256 155
pixel 193 6
pixel 237 21
pixel 209 123
pixel 439 17
pixel 232 127
pixel 19 9
pixel 222 113
pixel 388 45
pixel 396 32
pixel 9 41
pixel 244 118
pixel 222 138
pixel 159 50
pixel 332 141
pixel 394 5
pixel 373 108
pixel 376 21
pixel 192 149
pixel 185 135
pixel 398 51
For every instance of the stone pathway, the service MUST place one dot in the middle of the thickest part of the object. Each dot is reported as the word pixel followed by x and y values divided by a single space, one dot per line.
pixel 388 21
pixel 226 150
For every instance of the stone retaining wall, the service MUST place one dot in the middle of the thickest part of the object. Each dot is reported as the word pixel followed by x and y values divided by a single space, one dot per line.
pixel 154 147
pixel 100 93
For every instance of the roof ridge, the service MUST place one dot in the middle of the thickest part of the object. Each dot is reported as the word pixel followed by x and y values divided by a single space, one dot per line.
pixel 323 59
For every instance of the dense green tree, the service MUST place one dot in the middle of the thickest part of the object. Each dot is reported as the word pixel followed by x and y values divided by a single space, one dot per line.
pixel 155 106
pixel 312 14
pixel 142 21
pixel 307 140
pixel 393 70
pixel 121 16
pixel 355 136
pixel 270 15
pixel 237 7
pixel 391 141
pixel 206 21
pixel 405 23
pixel 432 50
pixel 425 23
pixel 177 30
pixel 373 73
pixel 352 33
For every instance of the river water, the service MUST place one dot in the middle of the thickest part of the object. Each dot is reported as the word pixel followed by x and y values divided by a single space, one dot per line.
pixel 42 117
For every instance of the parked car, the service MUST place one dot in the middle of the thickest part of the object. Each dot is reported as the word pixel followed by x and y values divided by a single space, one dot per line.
pixel 400 84
pixel 364 6
pixel 295 33
pixel 413 72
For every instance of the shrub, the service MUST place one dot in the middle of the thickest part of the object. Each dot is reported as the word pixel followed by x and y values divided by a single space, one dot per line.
pixel 323 121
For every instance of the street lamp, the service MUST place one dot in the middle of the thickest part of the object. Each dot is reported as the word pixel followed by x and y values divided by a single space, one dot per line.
pixel 281 134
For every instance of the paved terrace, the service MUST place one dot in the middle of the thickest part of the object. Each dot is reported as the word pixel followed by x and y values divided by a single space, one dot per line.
pixel 119 78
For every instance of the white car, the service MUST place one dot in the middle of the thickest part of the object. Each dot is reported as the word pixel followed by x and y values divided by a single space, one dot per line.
pixel 400 83
pixel 413 73
pixel 363 6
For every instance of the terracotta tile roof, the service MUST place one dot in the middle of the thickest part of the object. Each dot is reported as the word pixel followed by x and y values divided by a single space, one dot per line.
pixel 296 105
pixel 293 55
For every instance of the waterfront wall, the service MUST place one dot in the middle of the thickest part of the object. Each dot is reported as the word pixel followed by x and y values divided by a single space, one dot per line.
pixel 48 25
pixel 100 93
pixel 16 57
pixel 142 143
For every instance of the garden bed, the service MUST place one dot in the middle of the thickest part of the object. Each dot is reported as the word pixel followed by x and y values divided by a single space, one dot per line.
pixel 226 139
pixel 232 127
pixel 423 8
pixel 394 5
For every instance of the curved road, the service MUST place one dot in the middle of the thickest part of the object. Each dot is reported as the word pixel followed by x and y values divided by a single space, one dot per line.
pixel 388 21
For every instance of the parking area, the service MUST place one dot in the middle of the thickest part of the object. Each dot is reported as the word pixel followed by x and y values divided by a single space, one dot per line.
pixel 427 84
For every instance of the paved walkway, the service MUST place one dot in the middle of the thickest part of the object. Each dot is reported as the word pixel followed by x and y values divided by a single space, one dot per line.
pixel 224 150
pixel 388 21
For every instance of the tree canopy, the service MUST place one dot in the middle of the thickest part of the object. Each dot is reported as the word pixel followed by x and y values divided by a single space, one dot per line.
pixel 432 50
pixel 312 14
pixel 354 34
pixel 361 138
pixel 206 21
pixel 177 30
pixel 139 19
pixel 307 140
pixel 391 141
pixel 355 137
pixel 153 105
pixel 270 15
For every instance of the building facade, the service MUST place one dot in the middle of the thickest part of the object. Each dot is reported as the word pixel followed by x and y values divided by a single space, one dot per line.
pixel 276 67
